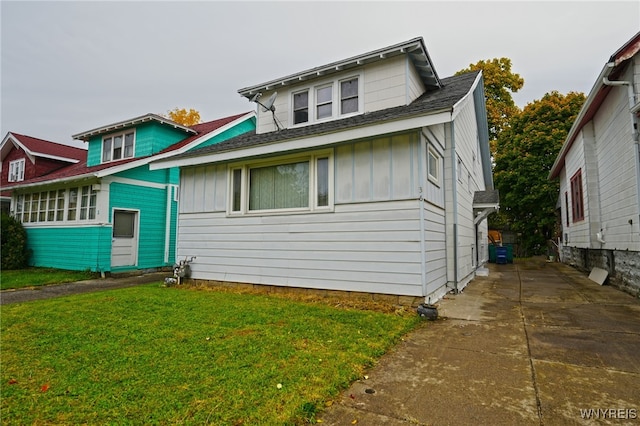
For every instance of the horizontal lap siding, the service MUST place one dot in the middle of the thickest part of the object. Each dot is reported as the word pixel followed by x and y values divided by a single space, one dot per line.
pixel 371 247
pixel 435 249
pixel 617 171
pixel 76 249
pixel 152 204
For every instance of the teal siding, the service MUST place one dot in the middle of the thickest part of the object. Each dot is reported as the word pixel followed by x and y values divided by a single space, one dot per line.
pixel 143 173
pixel 151 203
pixel 244 127
pixel 77 249
pixel 151 138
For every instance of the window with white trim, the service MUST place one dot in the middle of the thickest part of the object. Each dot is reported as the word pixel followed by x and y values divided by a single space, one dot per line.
pixel 16 170
pixel 290 184
pixel 118 146
pixel 349 96
pixel 57 205
pixel 326 100
pixel 433 165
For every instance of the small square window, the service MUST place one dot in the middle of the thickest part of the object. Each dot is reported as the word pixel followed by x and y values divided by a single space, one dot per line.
pixel 16 170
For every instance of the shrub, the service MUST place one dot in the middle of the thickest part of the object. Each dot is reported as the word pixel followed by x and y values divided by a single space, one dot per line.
pixel 15 254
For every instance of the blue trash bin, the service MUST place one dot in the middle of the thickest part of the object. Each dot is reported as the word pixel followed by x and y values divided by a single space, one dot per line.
pixel 501 255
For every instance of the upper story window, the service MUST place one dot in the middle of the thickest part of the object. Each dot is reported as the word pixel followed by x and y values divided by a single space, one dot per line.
pixel 287 185
pixel 327 100
pixel 301 107
pixel 349 96
pixel 577 203
pixel 16 170
pixel 118 146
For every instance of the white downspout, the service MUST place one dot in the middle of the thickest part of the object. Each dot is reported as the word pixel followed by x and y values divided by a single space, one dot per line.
pixel 634 125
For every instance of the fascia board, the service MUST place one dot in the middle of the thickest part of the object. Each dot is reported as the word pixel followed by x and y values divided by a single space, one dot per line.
pixel 312 141
pixel 52 182
pixel 578 124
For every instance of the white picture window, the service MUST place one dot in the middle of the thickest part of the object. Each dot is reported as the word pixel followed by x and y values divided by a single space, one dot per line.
pixel 293 184
pixel 119 146
pixel 16 170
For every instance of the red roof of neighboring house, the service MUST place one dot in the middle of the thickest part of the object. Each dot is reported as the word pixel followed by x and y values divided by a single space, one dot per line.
pixel 81 169
pixel 41 147
pixel 202 129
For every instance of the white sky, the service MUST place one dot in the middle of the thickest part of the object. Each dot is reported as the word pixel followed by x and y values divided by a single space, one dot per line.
pixel 68 67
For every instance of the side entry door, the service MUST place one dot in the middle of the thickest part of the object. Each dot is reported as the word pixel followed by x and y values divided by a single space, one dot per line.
pixel 124 242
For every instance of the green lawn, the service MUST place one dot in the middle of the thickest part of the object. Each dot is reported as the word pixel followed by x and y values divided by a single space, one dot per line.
pixel 30 277
pixel 156 355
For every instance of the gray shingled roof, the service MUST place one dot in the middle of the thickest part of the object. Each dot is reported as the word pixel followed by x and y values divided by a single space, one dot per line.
pixel 454 88
pixel 486 197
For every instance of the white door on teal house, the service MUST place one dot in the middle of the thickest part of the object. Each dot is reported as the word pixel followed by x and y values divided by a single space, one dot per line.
pixel 124 242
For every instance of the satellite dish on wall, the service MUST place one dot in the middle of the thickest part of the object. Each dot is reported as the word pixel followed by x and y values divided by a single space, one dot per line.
pixel 268 105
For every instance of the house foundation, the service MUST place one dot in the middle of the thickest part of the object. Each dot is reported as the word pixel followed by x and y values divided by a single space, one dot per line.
pixel 623 265
pixel 346 297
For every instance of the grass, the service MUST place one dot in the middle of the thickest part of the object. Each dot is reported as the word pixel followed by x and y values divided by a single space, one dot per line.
pixel 30 277
pixel 155 355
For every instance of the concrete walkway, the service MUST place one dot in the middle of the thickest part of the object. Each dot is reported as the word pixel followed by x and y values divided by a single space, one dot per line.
pixel 49 291
pixel 533 343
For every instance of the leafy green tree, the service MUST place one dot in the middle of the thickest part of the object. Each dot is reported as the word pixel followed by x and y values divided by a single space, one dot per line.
pixel 15 254
pixel 525 153
pixel 499 83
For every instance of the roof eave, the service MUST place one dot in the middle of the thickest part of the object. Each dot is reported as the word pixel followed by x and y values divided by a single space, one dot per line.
pixel 85 136
pixel 415 48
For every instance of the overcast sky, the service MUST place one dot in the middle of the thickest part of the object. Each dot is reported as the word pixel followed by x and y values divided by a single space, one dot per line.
pixel 68 67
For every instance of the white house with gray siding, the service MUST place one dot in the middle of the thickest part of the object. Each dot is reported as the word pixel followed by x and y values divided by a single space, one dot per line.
pixel 360 177
pixel 599 172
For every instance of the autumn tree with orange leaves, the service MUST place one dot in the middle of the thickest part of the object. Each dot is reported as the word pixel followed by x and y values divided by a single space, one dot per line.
pixel 184 117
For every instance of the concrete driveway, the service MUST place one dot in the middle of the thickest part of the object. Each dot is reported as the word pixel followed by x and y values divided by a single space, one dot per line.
pixel 534 343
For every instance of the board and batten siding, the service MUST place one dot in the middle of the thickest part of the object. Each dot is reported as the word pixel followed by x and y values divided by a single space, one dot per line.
pixel 371 242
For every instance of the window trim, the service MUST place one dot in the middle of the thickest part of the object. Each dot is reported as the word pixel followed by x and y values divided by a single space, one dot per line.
pixel 16 176
pixel 434 178
pixel 577 197
pixel 245 168
pixel 112 137
pixel 336 101
pixel 32 208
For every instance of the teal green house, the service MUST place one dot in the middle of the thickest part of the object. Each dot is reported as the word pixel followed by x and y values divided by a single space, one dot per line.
pixel 110 212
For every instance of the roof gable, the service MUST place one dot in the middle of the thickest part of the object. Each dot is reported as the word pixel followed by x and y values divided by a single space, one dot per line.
pixel 452 91
pixel 414 48
pixel 611 70
pixel 150 117
pixel 35 147
pixel 203 131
